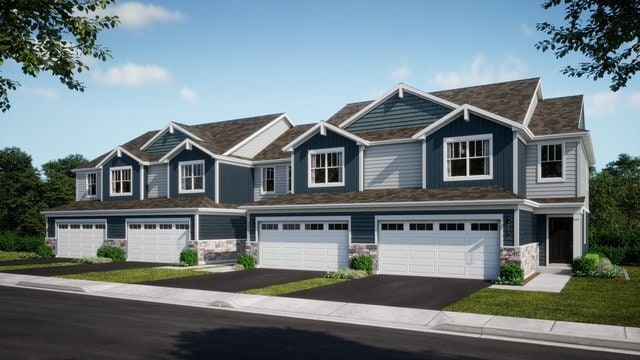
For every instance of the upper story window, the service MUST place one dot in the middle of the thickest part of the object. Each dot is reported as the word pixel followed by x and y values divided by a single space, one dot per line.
pixel 268 180
pixel 92 184
pixel 191 176
pixel 468 158
pixel 326 167
pixel 121 181
pixel 550 162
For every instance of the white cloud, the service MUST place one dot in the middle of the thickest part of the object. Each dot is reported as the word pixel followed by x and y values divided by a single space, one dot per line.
pixel 133 75
pixel 603 103
pixel 135 15
pixel 526 30
pixel 401 73
pixel 39 92
pixel 189 95
pixel 479 71
pixel 634 99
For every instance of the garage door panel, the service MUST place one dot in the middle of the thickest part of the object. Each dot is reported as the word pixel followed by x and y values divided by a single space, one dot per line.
pixel 422 254
pixel 79 242
pixel 451 270
pixel 421 241
pixel 154 243
pixel 452 241
pixel 422 269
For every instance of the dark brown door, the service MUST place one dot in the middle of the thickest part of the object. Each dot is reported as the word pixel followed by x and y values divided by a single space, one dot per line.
pixel 560 239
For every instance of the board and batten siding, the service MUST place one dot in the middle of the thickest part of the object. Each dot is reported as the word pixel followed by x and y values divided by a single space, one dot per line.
pixel 397 112
pixel 393 166
pixel 235 184
pixel 281 178
pixel 157 181
pixel 565 188
pixel 81 185
pixel 257 144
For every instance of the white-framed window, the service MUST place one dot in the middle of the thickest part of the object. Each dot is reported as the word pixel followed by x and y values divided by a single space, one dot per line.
pixel 92 184
pixel 468 158
pixel 268 180
pixel 289 187
pixel 326 167
pixel 551 164
pixel 120 178
pixel 191 175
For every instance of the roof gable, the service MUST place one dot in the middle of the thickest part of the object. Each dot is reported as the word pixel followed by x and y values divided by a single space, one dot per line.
pixel 322 128
pixel 399 112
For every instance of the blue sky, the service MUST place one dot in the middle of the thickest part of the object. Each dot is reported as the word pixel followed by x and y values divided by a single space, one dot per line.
pixel 204 61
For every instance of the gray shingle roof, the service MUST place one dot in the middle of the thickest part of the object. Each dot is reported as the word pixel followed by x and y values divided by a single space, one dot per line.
pixel 557 116
pixel 274 150
pixel 158 203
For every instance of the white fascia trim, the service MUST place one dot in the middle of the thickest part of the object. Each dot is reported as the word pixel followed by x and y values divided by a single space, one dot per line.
pixel 514 145
pixel 142 182
pixel 117 150
pixel 257 133
pixel 233 161
pixel 216 194
pixel 483 113
pixel 323 126
pixel 170 125
pixel 584 136
pixel 398 89
pixel 85 169
pixel 132 212
pixel 184 144
pixel 361 168
pixel 272 161
pixel 537 97
pixel 385 204
pixel 393 141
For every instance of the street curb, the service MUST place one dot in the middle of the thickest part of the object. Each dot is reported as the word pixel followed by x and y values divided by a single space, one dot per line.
pixel 57 287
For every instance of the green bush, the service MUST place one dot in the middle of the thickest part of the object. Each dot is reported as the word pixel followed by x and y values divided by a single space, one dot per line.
pixel 617 255
pixel 93 260
pixel 511 274
pixel 362 262
pixel 8 241
pixel 189 257
pixel 112 252
pixel 247 261
pixel 11 241
pixel 585 265
pixel 44 251
pixel 615 237
pixel 345 274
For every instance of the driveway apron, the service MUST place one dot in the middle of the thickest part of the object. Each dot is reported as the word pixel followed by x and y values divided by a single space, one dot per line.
pixel 403 291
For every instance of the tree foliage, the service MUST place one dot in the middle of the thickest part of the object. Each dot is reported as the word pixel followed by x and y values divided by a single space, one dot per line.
pixel 605 31
pixel 60 182
pixel 53 36
pixel 615 194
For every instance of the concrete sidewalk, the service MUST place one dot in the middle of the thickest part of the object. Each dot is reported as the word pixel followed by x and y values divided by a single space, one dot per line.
pixel 558 333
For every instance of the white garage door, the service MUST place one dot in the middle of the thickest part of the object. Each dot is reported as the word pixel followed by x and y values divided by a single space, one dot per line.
pixel 317 245
pixel 76 240
pixel 156 241
pixel 460 249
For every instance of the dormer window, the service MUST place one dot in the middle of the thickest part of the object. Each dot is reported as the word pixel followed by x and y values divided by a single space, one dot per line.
pixel 191 174
pixel 326 167
pixel 551 168
pixel 92 184
pixel 121 181
pixel 468 158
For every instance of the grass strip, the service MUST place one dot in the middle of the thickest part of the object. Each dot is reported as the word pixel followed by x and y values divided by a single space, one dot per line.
pixel 587 300
pixel 35 266
pixel 131 276
pixel 13 255
pixel 282 289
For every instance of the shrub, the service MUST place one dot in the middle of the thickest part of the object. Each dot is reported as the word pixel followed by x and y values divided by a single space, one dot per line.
pixel 11 241
pixel 8 241
pixel 112 252
pixel 189 257
pixel 511 274
pixel 44 251
pixel 585 265
pixel 617 255
pixel 345 274
pixel 247 261
pixel 362 262
pixel 93 260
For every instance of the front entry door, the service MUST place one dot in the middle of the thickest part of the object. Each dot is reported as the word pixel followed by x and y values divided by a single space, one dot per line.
pixel 560 239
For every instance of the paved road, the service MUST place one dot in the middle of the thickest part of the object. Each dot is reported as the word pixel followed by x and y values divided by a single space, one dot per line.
pixel 49 325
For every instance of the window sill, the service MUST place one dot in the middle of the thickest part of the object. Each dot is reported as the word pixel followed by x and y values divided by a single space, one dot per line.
pixel 190 191
pixel 325 185
pixel 468 178
pixel 122 194
pixel 550 180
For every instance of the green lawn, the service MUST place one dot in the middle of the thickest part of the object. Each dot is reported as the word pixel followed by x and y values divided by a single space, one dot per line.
pixel 34 266
pixel 587 300
pixel 282 289
pixel 135 275
pixel 12 255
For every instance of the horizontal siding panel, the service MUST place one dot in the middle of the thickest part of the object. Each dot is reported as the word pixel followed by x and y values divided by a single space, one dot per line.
pixel 157 181
pixel 393 166
pixel 567 188
pixel 217 227
pixel 282 176
pixel 166 142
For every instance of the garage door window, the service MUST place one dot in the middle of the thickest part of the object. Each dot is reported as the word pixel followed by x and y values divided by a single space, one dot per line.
pixel 74 226
pixel 149 226
pixel 314 226
pixel 100 226
pixel 484 227
pixel 166 226
pixel 182 226
pixel 338 226
pixel 290 226
pixel 87 226
pixel 420 227
pixel 452 227
pixel 63 226
pixel 268 226
pixel 135 226
pixel 392 227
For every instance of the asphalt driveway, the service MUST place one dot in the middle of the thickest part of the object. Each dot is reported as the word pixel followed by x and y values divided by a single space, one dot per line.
pixel 82 268
pixel 403 291
pixel 236 281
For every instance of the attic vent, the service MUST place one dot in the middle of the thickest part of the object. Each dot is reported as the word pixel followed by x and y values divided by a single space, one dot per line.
pixel 400 93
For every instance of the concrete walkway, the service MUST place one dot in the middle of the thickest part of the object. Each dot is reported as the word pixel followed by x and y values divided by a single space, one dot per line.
pixel 557 333
pixel 551 280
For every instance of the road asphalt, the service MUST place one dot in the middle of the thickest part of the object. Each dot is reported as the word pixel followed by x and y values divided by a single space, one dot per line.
pixel 559 333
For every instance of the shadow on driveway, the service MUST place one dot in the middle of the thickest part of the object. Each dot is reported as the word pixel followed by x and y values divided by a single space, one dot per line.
pixel 83 268
pixel 236 281
pixel 391 290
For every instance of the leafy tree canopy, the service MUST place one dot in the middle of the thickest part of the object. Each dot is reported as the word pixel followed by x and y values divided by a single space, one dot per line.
pixel 51 35
pixel 60 185
pixel 605 31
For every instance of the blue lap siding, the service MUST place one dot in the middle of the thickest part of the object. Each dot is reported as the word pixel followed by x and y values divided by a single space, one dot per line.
pixel 215 227
pixel 318 142
pixel 166 142
pixel 502 152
